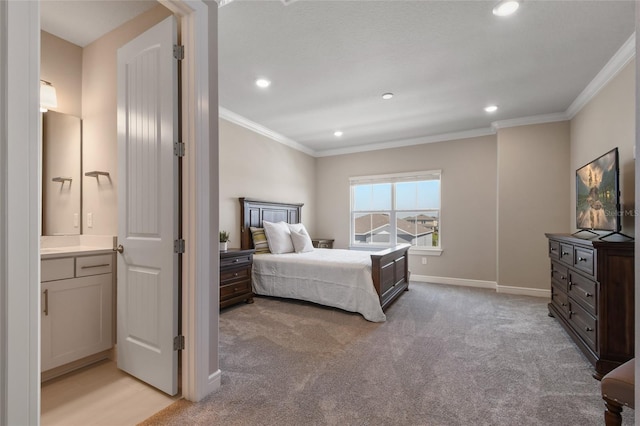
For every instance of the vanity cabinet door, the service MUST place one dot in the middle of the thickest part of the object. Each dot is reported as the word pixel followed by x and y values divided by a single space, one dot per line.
pixel 76 319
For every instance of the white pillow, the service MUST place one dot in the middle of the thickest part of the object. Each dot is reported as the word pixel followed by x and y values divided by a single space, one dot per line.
pixel 298 227
pixel 301 241
pixel 278 237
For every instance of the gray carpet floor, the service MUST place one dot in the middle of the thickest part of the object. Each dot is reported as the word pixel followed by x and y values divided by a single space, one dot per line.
pixel 446 356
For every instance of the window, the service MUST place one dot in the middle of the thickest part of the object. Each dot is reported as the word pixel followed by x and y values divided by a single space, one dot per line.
pixel 393 209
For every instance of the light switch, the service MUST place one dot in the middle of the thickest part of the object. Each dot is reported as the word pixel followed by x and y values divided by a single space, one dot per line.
pixel 75 220
pixel 90 220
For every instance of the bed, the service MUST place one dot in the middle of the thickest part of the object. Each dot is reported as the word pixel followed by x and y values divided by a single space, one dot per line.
pixel 377 279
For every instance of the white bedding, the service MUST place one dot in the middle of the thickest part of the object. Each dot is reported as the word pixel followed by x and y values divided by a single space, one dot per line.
pixel 331 277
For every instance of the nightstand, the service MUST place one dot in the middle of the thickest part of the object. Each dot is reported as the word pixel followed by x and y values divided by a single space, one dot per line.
pixel 322 243
pixel 235 277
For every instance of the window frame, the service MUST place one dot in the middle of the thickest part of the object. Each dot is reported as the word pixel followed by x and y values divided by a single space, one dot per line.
pixel 393 179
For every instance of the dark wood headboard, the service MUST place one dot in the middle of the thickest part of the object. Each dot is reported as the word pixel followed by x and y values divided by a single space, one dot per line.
pixel 253 212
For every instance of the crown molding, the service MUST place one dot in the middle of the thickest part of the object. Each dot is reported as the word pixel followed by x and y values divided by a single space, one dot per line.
pixel 617 62
pixel 534 119
pixel 261 130
pixel 408 142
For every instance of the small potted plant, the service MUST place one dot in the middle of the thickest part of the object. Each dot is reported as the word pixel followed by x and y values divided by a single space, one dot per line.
pixel 224 240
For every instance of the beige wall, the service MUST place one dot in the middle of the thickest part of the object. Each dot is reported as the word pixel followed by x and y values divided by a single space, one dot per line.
pixel 606 122
pixel 468 223
pixel 61 65
pixel 532 199
pixel 255 166
pixel 99 103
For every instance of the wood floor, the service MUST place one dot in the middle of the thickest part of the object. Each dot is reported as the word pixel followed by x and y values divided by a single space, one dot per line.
pixel 99 395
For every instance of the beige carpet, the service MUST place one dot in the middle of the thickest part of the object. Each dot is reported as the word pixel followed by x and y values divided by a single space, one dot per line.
pixel 446 356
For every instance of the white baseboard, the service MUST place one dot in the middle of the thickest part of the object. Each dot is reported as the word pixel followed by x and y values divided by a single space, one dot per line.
pixel 213 384
pixel 525 291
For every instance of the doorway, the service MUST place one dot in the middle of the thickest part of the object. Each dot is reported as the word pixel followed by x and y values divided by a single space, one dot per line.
pixel 59 395
pixel 19 216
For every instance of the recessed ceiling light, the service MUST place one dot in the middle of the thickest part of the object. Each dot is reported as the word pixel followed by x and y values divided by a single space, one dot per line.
pixel 337 133
pixel 263 83
pixel 387 96
pixel 506 7
pixel 491 108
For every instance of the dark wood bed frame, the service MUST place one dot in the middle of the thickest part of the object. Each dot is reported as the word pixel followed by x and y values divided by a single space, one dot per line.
pixel 389 268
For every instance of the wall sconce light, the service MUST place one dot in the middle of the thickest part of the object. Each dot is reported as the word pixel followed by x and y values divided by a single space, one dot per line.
pixel 48 98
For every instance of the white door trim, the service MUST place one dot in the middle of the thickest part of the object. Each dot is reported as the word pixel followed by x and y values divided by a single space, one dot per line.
pixel 20 186
pixel 200 373
pixel 20 264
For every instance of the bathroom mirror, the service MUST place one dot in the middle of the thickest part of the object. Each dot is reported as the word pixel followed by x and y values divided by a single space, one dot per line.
pixel 61 174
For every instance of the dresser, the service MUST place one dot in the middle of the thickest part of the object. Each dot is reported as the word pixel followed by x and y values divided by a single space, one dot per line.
pixel 235 276
pixel 592 296
pixel 322 243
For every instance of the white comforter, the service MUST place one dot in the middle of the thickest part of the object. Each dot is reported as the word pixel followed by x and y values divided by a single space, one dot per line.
pixel 338 278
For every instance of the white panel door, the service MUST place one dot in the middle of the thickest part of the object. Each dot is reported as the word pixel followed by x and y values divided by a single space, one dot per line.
pixel 147 318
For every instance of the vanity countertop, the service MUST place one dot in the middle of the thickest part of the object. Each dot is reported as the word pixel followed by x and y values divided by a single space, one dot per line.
pixel 56 252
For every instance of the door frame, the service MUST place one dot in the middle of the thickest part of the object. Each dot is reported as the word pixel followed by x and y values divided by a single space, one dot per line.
pixel 20 206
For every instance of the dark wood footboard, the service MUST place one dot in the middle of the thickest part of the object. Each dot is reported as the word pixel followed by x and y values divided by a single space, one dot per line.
pixel 390 271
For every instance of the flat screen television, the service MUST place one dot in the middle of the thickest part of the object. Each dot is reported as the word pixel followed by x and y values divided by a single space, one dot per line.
pixel 598 194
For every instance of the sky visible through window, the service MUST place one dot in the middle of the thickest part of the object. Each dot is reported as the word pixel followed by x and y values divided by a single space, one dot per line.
pixel 421 195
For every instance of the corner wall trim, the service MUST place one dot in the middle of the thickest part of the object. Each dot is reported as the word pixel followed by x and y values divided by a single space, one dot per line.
pixel 491 285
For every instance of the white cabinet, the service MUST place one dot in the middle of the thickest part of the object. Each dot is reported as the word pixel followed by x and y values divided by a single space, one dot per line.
pixel 77 308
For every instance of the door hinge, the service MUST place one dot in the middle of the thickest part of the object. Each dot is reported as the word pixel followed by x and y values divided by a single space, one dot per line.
pixel 178 343
pixel 178 246
pixel 178 149
pixel 178 52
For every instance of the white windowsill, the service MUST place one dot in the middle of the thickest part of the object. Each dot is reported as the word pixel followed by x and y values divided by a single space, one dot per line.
pixel 425 251
pixel 412 251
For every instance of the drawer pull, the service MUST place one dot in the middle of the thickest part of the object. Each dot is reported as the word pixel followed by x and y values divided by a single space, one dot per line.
pixel 565 253
pixel 582 259
pixel 95 266
pixel 587 294
pixel 564 304
pixel 554 249
pixel 236 260
pixel 235 275
pixel 46 302
pixel 562 277
pixel 588 329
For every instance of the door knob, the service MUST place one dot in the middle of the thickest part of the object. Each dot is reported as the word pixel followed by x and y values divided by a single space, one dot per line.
pixel 119 249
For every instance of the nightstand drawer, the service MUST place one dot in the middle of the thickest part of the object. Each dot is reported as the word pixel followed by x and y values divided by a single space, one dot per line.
pixel 235 274
pixel 236 261
pixel 230 290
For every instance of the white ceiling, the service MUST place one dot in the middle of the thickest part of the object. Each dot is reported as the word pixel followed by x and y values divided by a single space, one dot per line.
pixel 330 62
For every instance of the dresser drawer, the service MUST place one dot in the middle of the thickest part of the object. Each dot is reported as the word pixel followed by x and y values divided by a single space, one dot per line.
pixel 560 275
pixel 560 300
pixel 585 291
pixel 56 269
pixel 236 261
pixel 583 260
pixel 585 325
pixel 566 253
pixel 234 275
pixel 554 249
pixel 94 265
pixel 231 290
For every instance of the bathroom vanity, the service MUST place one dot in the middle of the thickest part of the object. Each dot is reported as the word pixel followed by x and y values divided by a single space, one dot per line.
pixel 77 307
